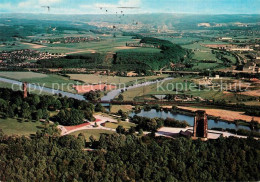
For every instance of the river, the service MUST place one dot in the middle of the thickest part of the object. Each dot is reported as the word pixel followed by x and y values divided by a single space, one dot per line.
pixel 151 114
pixel 108 97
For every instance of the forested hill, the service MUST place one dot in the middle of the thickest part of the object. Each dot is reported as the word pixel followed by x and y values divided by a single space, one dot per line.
pixel 142 62
pixel 172 51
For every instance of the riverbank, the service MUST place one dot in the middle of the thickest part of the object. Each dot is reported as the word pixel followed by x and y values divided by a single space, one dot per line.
pixel 226 115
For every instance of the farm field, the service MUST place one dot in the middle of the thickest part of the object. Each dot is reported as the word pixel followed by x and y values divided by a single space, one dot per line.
pixel 94 132
pixel 14 127
pixel 107 44
pixel 225 114
pixel 196 45
pixel 202 53
pixel 126 125
pixel 205 55
pixel 95 79
pixel 21 75
pixel 17 46
pixel 180 40
pixel 138 50
pixel 205 66
pixel 50 81
pixel 183 86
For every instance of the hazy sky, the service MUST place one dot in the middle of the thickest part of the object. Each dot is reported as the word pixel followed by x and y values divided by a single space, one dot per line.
pixel 146 6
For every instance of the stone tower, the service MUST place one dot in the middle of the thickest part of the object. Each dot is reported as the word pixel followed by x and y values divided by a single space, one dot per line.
pixel 200 128
pixel 25 90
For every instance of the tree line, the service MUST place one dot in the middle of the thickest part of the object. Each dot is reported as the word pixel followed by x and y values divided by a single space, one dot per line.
pixel 148 124
pixel 120 157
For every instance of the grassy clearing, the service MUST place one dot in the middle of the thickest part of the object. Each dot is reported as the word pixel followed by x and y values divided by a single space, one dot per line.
pixel 124 108
pixel 201 56
pixel 126 125
pixel 14 127
pixel 95 79
pixel 95 133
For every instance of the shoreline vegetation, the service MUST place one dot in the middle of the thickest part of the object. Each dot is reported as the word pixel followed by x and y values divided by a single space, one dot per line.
pixel 190 112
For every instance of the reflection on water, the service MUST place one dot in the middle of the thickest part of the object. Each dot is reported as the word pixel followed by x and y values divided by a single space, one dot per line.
pixel 190 119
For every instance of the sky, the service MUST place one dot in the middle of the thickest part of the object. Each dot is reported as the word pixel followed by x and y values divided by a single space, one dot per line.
pixel 144 6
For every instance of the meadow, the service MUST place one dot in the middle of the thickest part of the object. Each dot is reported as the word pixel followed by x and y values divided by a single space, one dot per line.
pixel 22 75
pixel 15 127
pixel 94 132
pixel 126 125
pixel 124 108
pixel 95 79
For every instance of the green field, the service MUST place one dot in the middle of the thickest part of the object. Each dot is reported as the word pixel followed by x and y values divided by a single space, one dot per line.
pixel 107 44
pixel 95 133
pixel 204 66
pixel 126 125
pixel 18 46
pixel 95 79
pixel 205 55
pixel 124 108
pixel 140 50
pixel 186 85
pixel 50 80
pixel 167 88
pixel 22 75
pixel 196 46
pixel 14 127
pixel 181 40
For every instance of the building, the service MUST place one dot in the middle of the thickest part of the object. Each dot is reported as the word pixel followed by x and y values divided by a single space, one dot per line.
pixel 25 92
pixel 200 128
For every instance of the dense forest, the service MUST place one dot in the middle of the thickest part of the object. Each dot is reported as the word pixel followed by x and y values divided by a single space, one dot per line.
pixel 88 61
pixel 140 62
pixel 120 157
